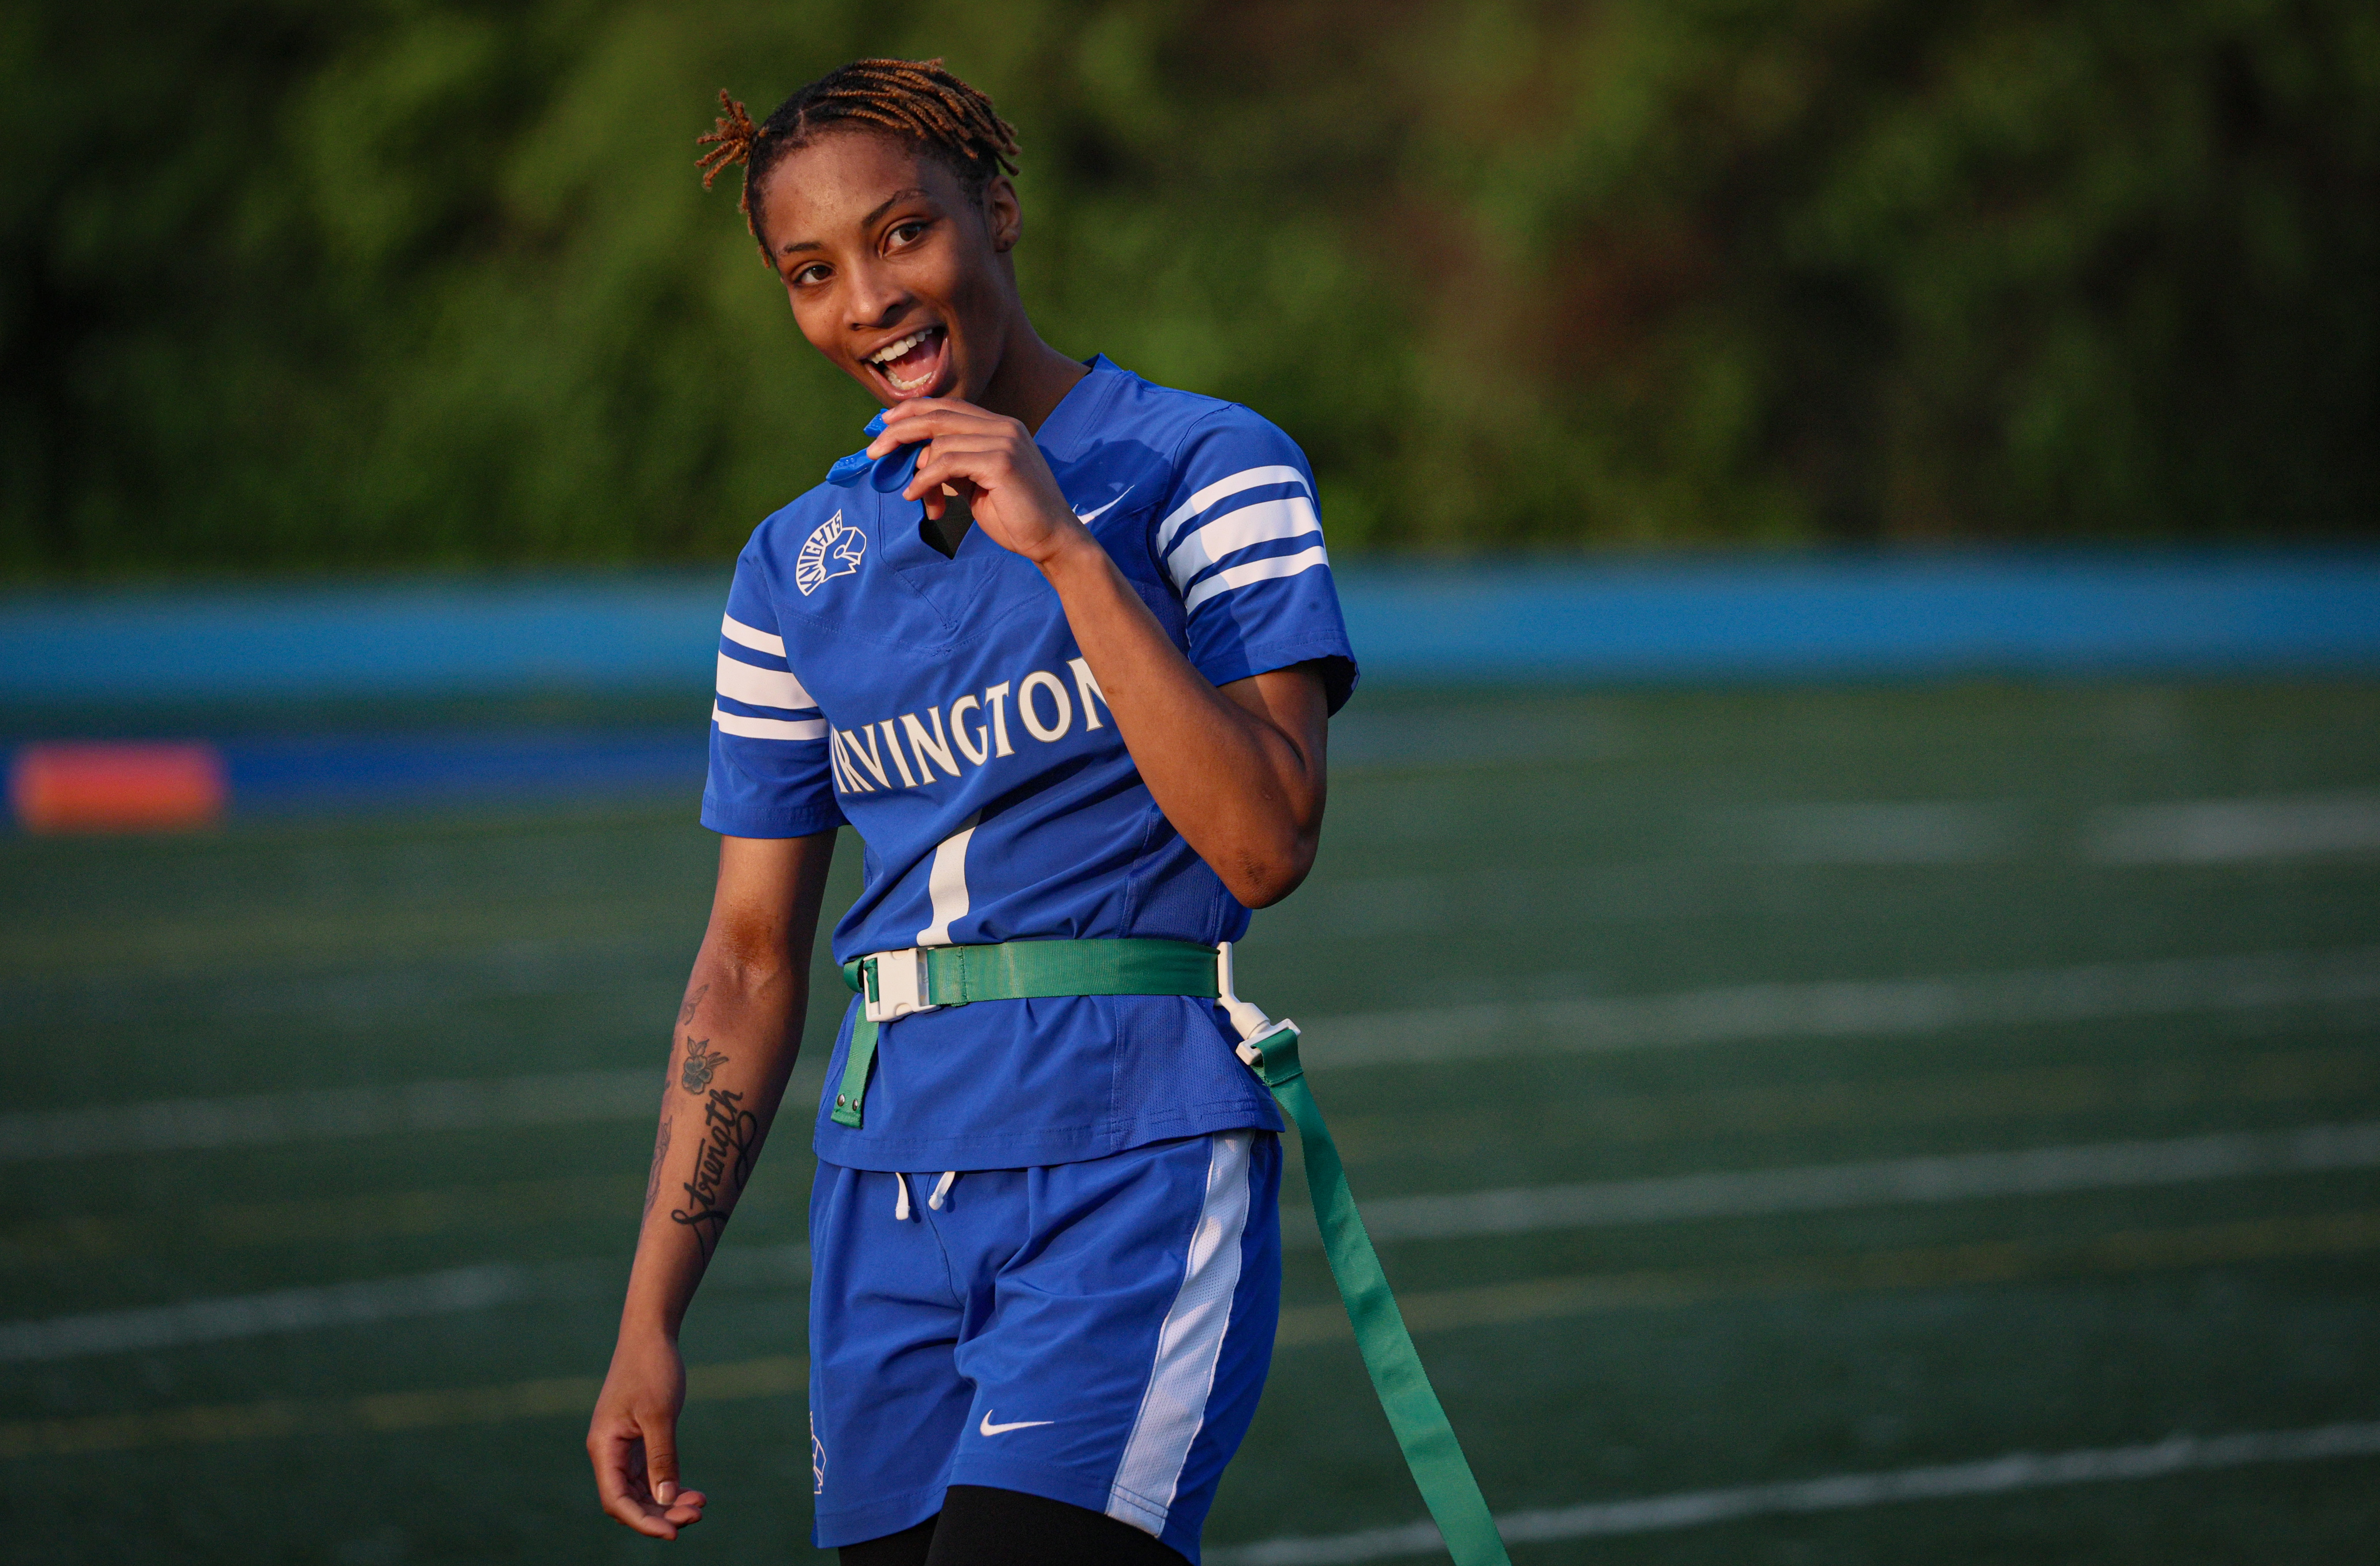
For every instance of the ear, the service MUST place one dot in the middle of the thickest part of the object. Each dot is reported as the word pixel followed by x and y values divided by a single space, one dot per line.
pixel 1003 217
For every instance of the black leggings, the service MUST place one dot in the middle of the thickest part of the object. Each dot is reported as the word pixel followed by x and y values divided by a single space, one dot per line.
pixel 981 1526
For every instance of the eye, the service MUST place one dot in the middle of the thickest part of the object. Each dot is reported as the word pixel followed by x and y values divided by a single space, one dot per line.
pixel 814 273
pixel 905 234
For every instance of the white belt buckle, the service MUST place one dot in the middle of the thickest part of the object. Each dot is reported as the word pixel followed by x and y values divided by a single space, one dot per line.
pixel 1254 1025
pixel 897 986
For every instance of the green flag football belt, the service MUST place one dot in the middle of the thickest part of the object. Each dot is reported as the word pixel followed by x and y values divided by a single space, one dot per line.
pixel 924 978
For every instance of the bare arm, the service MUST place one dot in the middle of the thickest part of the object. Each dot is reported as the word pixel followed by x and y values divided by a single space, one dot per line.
pixel 738 1034
pixel 1240 770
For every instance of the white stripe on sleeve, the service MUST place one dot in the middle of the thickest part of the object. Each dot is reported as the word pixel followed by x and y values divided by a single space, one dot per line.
pixel 1246 479
pixel 737 631
pixel 1268 521
pixel 1173 1408
pixel 761 687
pixel 767 728
pixel 1253 571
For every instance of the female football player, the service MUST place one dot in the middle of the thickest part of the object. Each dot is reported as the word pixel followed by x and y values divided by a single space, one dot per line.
pixel 1060 645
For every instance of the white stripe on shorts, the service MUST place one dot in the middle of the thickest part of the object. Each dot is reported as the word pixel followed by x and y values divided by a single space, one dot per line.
pixel 1174 1407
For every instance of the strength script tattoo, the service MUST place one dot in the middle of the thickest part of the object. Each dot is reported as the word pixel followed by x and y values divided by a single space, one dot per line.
pixel 721 1167
pixel 696 1077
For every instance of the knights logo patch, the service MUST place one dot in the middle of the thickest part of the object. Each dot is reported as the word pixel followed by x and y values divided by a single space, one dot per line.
pixel 833 551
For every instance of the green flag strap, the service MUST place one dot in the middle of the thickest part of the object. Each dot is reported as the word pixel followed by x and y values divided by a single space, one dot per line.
pixel 1016 970
pixel 1420 1423
pixel 855 1071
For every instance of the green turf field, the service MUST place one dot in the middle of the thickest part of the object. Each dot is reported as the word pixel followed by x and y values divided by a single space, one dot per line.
pixel 326 1142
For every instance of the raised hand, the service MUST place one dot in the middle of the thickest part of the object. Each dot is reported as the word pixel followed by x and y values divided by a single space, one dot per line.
pixel 991 460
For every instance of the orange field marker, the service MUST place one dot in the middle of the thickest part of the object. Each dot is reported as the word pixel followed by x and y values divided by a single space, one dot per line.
pixel 115 786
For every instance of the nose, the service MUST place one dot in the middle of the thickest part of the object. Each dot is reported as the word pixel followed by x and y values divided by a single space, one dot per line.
pixel 874 298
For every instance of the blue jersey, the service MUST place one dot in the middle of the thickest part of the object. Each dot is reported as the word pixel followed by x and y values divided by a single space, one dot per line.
pixel 942 707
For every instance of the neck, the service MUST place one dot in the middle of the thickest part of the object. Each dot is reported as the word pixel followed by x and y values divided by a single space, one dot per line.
pixel 1032 379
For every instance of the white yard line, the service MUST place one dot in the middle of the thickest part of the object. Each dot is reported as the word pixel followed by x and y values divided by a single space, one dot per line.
pixel 252 1315
pixel 1838 1492
pixel 1487 1028
pixel 2232 831
pixel 400 984
pixel 1742 1014
pixel 452 1291
pixel 2036 1171
pixel 1931 832
pixel 330 1114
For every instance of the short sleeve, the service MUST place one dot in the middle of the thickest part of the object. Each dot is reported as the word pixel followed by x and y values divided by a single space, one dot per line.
pixel 770 774
pixel 1241 540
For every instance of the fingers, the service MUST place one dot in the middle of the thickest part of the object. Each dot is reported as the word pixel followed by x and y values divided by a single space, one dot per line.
pixel 940 408
pixel 661 1457
pixel 984 456
pixel 917 431
pixel 629 1502
pixel 637 1479
pixel 930 418
pixel 964 464
pixel 620 1484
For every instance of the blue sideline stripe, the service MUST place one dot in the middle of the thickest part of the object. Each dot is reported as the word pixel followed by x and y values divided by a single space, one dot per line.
pixel 1866 618
pixel 287 775
pixel 294 775
pixel 629 633
pixel 1675 619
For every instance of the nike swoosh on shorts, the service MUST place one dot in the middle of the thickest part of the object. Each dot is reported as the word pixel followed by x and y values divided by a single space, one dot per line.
pixel 986 1427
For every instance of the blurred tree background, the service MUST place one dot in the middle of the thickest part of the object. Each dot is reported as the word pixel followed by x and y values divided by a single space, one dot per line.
pixel 301 284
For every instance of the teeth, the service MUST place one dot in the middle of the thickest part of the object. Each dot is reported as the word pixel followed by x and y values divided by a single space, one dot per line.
pixel 892 351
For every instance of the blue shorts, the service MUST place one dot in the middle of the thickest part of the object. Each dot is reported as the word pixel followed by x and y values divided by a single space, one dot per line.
pixel 1094 1333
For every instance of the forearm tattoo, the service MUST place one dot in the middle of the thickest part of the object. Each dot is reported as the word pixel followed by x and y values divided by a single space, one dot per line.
pixel 722 1166
pixel 694 1076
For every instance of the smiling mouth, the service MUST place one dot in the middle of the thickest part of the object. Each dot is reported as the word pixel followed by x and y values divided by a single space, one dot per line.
pixel 911 365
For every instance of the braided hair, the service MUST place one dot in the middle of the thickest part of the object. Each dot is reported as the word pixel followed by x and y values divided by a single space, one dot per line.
pixel 917 101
